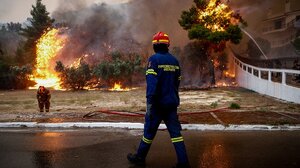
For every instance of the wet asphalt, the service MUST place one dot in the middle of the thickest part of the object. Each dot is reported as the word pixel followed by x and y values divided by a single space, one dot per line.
pixel 107 148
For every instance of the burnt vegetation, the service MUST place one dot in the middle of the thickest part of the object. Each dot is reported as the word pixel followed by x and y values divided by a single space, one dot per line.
pixel 118 67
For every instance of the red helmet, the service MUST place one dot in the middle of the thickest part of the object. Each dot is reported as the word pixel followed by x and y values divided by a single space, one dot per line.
pixel 161 38
pixel 41 88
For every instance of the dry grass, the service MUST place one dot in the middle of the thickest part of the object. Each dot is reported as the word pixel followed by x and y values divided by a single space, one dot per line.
pixel 86 101
pixel 15 104
pixel 68 101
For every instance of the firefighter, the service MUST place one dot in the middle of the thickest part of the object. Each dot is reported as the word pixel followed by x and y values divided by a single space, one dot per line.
pixel 43 96
pixel 163 79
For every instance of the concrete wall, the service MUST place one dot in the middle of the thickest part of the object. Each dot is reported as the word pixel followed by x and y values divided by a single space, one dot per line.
pixel 245 78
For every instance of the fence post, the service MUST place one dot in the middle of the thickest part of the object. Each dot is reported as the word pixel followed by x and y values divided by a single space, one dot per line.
pixel 283 78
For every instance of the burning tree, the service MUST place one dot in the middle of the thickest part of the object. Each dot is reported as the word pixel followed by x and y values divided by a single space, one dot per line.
pixel 47 48
pixel 213 24
pixel 119 67
pixel 74 77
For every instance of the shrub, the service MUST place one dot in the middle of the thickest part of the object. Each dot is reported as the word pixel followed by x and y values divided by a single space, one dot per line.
pixel 234 106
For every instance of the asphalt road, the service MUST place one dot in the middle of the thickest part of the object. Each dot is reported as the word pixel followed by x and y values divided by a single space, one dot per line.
pixel 91 148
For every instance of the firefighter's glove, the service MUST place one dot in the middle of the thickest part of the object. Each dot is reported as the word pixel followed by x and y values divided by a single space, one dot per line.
pixel 148 110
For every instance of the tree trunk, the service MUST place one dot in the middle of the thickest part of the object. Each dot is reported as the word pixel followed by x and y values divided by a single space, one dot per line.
pixel 212 72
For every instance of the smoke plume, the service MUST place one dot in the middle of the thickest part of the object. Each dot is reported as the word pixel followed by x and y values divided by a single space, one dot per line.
pixel 99 28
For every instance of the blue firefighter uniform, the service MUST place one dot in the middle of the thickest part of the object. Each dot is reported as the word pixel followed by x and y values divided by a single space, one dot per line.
pixel 163 79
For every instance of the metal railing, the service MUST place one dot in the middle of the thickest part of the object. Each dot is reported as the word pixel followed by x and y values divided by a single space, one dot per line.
pixel 279 83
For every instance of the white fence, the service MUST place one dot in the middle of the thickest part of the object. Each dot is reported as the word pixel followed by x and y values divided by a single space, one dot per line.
pixel 278 83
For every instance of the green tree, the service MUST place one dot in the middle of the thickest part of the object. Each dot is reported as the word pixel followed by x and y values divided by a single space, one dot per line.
pixel 39 23
pixel 14 77
pixel 75 78
pixel 119 67
pixel 16 27
pixel 213 23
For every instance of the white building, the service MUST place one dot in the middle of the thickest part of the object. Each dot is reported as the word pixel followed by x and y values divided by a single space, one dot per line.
pixel 281 27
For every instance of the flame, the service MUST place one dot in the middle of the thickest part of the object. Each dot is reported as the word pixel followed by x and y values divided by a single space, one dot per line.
pixel 228 74
pixel 225 84
pixel 47 48
pixel 228 81
pixel 118 87
pixel 214 15
pixel 78 61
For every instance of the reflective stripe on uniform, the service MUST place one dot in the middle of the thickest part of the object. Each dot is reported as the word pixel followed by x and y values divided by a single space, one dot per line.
pixel 179 78
pixel 151 71
pixel 178 139
pixel 147 141
pixel 169 67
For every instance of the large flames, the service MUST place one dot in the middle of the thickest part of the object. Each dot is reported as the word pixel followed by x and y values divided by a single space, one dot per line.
pixel 47 48
pixel 215 14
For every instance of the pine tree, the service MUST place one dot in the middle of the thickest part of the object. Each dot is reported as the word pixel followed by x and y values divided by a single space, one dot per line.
pixel 213 24
pixel 39 23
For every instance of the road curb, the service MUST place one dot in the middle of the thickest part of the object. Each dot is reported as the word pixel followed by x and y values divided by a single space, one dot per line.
pixel 127 125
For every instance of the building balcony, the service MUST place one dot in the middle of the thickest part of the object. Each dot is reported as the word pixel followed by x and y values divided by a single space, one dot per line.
pixel 280 27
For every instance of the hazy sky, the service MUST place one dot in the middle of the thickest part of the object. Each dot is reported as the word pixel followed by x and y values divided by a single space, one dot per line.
pixel 19 10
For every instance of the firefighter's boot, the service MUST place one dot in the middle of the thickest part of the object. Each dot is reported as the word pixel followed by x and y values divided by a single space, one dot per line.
pixel 135 159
